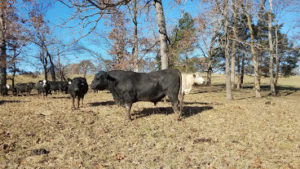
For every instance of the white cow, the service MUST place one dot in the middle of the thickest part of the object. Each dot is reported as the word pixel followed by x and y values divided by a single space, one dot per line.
pixel 189 79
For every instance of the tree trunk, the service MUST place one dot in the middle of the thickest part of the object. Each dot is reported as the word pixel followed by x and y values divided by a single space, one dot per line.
pixel 210 55
pixel 253 52
pixel 271 51
pixel 209 72
pixel 276 56
pixel 227 58
pixel 52 66
pixel 259 41
pixel 44 61
pixel 3 31
pixel 243 69
pixel 233 46
pixel 162 34
pixel 238 84
pixel 135 35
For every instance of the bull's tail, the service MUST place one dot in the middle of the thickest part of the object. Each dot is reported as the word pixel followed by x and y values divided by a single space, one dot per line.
pixel 181 94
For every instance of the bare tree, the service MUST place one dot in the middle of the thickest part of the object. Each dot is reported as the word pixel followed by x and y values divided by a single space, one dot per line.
pixel 271 50
pixel 209 25
pixel 41 37
pixel 253 50
pixel 85 66
pixel 227 58
pixel 90 12
pixel 4 9
pixel 135 48
pixel 162 33
pixel 233 53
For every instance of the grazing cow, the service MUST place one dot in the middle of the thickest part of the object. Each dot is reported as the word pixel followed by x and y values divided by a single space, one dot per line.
pixel 24 88
pixel 128 87
pixel 43 87
pixel 77 87
pixel 190 79
pixel 4 89
pixel 56 86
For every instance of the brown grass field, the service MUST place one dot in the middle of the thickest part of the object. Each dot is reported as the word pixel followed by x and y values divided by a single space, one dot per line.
pixel 248 132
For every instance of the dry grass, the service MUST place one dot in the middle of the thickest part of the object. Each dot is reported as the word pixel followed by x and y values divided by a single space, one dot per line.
pixel 215 133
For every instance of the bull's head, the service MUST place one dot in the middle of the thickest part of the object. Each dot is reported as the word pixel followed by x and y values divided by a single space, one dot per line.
pixel 100 81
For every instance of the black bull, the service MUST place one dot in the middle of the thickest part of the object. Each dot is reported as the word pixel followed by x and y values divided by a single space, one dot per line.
pixel 128 87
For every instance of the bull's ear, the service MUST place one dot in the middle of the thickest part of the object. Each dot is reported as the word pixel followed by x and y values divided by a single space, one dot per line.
pixel 108 77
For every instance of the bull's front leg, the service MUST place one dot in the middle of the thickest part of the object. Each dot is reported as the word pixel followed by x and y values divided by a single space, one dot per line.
pixel 128 107
pixel 177 110
pixel 78 101
pixel 175 105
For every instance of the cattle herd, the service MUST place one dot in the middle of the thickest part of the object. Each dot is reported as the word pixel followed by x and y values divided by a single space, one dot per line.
pixel 126 87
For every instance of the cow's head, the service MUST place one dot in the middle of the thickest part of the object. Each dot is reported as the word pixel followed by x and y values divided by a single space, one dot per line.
pixel 69 81
pixel 44 82
pixel 198 79
pixel 100 81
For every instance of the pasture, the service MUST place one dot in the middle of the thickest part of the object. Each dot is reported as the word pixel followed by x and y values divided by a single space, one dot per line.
pixel 248 132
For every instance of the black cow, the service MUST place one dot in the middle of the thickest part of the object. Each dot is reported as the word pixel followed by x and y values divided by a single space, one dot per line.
pixel 43 87
pixel 128 87
pixel 61 86
pixel 4 89
pixel 77 87
pixel 24 88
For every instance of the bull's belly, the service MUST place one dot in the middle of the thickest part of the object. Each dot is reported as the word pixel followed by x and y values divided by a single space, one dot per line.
pixel 152 98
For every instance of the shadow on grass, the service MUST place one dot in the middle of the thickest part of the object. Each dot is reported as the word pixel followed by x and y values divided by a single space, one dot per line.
pixel 94 104
pixel 61 97
pixel 203 103
pixel 281 90
pixel 9 101
pixel 187 111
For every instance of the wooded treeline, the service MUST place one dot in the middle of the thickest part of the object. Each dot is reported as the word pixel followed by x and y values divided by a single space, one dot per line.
pixel 236 37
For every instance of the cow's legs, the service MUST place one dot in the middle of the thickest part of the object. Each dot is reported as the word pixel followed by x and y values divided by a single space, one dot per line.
pixel 73 100
pixel 78 101
pixel 128 106
pixel 82 100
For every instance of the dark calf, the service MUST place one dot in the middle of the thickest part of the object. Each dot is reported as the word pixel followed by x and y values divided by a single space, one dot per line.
pixel 56 86
pixel 24 88
pixel 43 87
pixel 4 89
pixel 77 87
